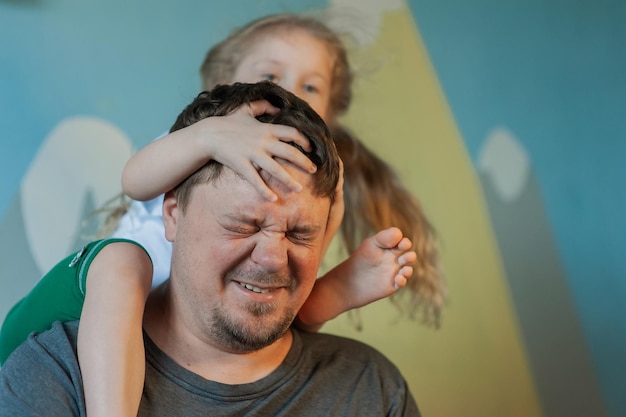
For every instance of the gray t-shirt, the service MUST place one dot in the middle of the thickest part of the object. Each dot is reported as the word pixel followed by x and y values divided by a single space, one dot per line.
pixel 322 375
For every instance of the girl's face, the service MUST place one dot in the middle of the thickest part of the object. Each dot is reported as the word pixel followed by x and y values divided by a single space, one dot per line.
pixel 294 60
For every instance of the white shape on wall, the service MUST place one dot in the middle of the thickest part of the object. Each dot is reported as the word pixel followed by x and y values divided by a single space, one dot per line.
pixel 505 163
pixel 80 154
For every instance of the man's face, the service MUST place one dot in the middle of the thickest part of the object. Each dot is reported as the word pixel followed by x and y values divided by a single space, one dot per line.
pixel 243 266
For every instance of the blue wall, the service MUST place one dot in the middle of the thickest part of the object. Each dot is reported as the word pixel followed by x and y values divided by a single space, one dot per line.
pixel 551 72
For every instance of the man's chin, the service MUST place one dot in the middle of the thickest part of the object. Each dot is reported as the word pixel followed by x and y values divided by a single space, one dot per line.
pixel 259 332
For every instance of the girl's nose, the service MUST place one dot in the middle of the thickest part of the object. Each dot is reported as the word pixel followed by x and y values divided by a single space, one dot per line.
pixel 289 85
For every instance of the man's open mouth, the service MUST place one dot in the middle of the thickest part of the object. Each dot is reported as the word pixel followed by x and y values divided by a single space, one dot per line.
pixel 253 288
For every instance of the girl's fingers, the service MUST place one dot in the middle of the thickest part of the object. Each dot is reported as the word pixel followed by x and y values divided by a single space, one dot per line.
pixel 261 107
pixel 276 170
pixel 290 153
pixel 282 132
pixel 251 174
pixel 291 134
pixel 265 143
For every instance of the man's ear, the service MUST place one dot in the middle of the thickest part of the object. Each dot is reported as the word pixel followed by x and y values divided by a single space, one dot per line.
pixel 171 212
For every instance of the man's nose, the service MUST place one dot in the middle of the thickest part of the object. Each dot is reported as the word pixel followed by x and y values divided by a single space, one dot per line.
pixel 270 251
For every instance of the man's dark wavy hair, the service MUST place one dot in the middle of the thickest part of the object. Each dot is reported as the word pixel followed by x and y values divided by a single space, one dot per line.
pixel 294 112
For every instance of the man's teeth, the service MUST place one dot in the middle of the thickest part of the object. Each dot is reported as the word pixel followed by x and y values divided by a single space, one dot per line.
pixel 253 288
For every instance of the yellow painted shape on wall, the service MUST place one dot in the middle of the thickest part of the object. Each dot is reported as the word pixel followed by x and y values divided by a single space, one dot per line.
pixel 475 365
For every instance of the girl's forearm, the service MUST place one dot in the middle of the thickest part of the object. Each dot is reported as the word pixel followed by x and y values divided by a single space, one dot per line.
pixel 164 163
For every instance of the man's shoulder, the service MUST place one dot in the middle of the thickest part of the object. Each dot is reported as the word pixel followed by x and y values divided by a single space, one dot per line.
pixel 334 346
pixel 59 342
pixel 45 365
pixel 358 368
pixel 58 331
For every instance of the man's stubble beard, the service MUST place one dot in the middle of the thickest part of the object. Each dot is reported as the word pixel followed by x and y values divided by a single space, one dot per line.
pixel 255 333
pixel 249 337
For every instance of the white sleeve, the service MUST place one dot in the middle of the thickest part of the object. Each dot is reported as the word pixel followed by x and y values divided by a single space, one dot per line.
pixel 143 223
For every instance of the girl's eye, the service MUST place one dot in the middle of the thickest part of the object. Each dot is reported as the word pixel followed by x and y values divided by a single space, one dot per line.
pixel 310 88
pixel 269 77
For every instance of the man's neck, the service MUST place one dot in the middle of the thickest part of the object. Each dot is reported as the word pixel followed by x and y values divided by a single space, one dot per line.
pixel 176 340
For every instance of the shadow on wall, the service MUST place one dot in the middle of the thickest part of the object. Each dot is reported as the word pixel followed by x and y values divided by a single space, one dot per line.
pixel 558 357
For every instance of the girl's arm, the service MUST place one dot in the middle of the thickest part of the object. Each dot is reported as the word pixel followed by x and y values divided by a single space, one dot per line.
pixel 110 338
pixel 237 140
pixel 375 270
